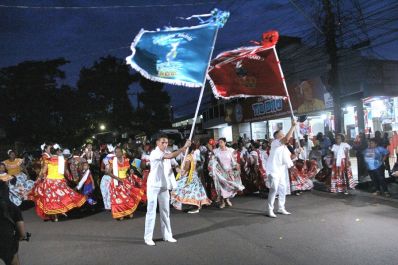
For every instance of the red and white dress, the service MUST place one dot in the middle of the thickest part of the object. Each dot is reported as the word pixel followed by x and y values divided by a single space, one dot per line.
pixel 301 175
pixel 341 178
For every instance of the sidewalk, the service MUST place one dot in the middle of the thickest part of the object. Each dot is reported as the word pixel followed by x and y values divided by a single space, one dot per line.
pixel 364 187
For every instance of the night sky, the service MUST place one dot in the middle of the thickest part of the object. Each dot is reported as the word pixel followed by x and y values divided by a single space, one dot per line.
pixel 82 35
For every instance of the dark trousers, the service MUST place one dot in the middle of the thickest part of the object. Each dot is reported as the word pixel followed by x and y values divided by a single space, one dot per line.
pixel 378 179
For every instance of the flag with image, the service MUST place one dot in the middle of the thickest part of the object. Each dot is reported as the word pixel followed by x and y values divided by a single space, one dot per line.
pixel 178 56
pixel 249 71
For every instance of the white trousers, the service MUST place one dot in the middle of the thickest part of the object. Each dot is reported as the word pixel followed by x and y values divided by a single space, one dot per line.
pixel 106 195
pixel 277 185
pixel 153 196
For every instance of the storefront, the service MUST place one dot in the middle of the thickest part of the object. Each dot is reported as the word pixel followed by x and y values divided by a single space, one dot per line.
pixel 380 114
pixel 262 117
pixel 258 118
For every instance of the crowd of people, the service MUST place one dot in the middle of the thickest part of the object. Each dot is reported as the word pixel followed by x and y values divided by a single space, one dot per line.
pixel 122 177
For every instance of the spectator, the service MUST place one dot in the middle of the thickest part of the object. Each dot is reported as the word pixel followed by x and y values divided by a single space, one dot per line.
pixel 324 143
pixel 385 143
pixel 374 159
pixel 359 146
pixel 12 228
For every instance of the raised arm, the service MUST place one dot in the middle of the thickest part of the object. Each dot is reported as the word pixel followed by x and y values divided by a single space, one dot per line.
pixel 289 134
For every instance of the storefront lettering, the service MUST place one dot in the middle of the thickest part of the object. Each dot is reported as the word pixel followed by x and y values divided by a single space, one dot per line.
pixel 268 106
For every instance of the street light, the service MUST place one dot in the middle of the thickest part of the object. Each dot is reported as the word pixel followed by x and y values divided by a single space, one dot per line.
pixel 102 127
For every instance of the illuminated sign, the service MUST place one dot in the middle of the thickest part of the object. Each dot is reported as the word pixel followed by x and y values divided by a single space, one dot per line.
pixel 268 106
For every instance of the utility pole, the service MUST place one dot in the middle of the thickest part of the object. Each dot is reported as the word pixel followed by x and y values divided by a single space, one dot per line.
pixel 331 48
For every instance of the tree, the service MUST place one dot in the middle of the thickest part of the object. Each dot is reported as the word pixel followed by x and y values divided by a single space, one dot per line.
pixel 155 113
pixel 29 93
pixel 104 88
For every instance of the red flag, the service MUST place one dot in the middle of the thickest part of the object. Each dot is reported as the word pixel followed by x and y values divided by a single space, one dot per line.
pixel 247 72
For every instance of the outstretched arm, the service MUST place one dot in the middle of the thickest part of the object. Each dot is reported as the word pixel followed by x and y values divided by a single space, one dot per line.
pixel 179 151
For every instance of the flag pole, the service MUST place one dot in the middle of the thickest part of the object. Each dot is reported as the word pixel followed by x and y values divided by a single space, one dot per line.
pixel 284 81
pixel 200 95
pixel 286 91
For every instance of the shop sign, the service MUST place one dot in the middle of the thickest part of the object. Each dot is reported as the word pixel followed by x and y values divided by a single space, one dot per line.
pixel 266 107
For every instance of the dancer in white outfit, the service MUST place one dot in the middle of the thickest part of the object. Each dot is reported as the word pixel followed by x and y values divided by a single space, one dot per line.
pixel 277 169
pixel 158 185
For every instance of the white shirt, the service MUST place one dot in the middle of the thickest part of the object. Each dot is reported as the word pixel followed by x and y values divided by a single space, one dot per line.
pixel 278 160
pixel 161 174
pixel 339 152
pixel 308 148
pixel 156 177
pixel 275 143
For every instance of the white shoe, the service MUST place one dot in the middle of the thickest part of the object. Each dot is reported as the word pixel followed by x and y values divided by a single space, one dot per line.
pixel 171 240
pixel 150 242
pixel 271 214
pixel 194 211
pixel 283 211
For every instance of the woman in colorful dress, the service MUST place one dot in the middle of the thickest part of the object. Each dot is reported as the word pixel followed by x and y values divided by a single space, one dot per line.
pixel 106 178
pixel 52 195
pixel 223 169
pixel 139 177
pixel 87 183
pixel 341 180
pixel 124 196
pixel 21 186
pixel 189 190
pixel 258 167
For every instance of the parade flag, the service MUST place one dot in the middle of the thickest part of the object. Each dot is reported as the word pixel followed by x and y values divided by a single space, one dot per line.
pixel 248 71
pixel 178 56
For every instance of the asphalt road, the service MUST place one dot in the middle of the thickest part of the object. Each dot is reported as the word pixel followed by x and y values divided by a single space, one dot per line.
pixel 323 229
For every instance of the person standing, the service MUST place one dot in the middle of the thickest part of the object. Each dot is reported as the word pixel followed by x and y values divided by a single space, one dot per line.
pixel 277 166
pixel 374 158
pixel 12 228
pixel 226 176
pixel 189 189
pixel 341 179
pixel 158 185
pixel 106 178
pixel 124 197
pixel 360 146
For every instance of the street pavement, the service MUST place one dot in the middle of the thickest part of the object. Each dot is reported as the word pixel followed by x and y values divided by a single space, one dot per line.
pixel 323 229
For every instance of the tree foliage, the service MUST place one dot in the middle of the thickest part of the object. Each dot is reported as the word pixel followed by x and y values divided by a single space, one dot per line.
pixel 37 106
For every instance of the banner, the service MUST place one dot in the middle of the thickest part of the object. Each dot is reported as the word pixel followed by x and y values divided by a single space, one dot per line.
pixel 178 56
pixel 247 72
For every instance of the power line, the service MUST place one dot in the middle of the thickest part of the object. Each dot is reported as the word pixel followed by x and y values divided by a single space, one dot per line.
pixel 103 7
pixel 306 16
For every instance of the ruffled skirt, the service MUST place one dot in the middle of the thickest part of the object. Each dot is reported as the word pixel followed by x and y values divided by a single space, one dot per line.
pixel 226 184
pixel 53 196
pixel 124 197
pixel 192 193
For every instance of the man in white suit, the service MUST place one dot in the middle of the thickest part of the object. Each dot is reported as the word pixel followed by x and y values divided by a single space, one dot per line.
pixel 277 169
pixel 160 181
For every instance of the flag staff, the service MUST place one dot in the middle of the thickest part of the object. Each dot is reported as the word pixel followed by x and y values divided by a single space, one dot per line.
pixel 284 81
pixel 200 95
pixel 287 93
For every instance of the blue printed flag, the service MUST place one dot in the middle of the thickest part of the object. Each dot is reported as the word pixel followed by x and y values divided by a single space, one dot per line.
pixel 178 56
